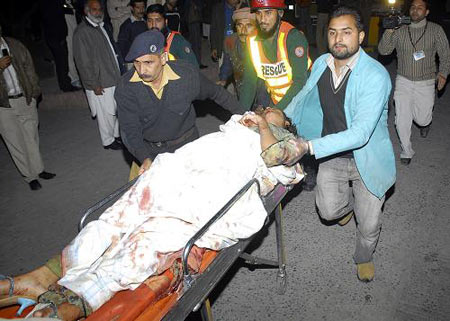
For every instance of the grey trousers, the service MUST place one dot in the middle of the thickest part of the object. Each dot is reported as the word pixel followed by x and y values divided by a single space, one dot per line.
pixel 19 129
pixel 335 199
pixel 414 101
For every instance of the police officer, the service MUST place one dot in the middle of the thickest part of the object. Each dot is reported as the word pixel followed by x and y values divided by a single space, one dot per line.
pixel 278 54
pixel 154 99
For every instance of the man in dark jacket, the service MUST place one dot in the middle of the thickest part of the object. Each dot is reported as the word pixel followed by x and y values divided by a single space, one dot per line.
pixel 99 65
pixel 221 25
pixel 133 26
pixel 154 100
pixel 176 46
pixel 19 89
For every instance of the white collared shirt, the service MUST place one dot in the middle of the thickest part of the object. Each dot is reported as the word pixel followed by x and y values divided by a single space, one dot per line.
pixel 337 79
pixel 12 82
pixel 101 24
pixel 133 19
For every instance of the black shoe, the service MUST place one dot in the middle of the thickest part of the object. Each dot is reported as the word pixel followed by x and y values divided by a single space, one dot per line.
pixel 35 185
pixel 46 175
pixel 424 131
pixel 70 89
pixel 203 66
pixel 114 146
pixel 405 161
pixel 119 140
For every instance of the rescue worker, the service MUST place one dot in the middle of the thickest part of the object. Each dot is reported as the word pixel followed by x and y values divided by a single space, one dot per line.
pixel 176 46
pixel 278 54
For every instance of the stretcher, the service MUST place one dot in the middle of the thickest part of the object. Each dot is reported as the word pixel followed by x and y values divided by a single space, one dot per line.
pixel 177 292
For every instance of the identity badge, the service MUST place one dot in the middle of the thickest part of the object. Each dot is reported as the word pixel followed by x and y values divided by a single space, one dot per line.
pixel 419 55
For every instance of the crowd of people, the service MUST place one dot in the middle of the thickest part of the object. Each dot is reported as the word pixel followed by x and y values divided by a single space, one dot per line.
pixel 141 75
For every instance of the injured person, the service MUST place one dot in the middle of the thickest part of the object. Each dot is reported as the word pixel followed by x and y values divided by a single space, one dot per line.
pixel 143 232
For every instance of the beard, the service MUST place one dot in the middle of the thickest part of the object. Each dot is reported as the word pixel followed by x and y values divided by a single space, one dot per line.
pixel 95 19
pixel 269 33
pixel 343 54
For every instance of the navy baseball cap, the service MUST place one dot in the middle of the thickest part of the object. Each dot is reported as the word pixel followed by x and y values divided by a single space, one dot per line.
pixel 147 43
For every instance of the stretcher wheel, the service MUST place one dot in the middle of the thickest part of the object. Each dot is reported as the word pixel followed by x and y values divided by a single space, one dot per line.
pixel 281 281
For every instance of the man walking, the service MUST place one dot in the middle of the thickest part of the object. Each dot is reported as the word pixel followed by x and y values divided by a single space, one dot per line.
pixel 133 26
pixel 99 66
pixel 417 73
pixel 177 47
pixel 342 111
pixel 154 100
pixel 19 89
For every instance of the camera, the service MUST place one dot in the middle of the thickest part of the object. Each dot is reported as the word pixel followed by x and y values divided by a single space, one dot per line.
pixel 394 21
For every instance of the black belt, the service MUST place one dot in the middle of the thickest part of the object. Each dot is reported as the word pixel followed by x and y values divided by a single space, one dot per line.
pixel 174 142
pixel 15 96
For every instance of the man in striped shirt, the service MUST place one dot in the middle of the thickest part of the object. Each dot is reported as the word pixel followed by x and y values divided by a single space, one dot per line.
pixel 417 73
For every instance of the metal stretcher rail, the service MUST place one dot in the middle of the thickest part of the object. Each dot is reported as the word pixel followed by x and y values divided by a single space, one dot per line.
pixel 197 289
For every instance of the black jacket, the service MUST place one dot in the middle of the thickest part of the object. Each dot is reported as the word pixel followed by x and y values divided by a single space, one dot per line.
pixel 144 118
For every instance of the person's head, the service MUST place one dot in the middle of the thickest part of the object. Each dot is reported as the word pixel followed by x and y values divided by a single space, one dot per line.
pixel 419 10
pixel 233 3
pixel 277 117
pixel 156 17
pixel 345 33
pixel 148 56
pixel 245 23
pixel 268 15
pixel 93 10
pixel 171 3
pixel 138 8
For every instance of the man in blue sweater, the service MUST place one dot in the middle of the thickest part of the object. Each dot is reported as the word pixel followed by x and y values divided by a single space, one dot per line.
pixel 342 112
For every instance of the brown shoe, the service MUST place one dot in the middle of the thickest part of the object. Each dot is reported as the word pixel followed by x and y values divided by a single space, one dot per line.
pixel 344 220
pixel 366 271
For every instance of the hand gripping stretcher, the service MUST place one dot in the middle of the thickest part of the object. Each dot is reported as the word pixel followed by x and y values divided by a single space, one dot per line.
pixel 155 298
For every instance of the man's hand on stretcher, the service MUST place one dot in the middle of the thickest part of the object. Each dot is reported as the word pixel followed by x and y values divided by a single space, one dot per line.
pixel 145 165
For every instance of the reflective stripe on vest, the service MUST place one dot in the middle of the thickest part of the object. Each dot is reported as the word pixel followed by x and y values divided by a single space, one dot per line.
pixel 277 75
pixel 169 43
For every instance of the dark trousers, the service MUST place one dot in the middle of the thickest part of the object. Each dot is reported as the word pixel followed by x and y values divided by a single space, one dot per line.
pixel 195 38
pixel 60 55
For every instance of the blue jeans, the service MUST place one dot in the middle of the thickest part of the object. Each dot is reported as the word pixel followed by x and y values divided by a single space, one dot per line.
pixel 335 198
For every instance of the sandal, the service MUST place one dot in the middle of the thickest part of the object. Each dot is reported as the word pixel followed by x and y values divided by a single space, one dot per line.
pixel 23 300
pixel 57 295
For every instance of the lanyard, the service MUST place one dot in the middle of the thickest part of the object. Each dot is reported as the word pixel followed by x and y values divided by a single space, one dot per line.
pixel 421 36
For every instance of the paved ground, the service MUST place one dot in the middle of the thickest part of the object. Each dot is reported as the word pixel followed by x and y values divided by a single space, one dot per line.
pixel 412 260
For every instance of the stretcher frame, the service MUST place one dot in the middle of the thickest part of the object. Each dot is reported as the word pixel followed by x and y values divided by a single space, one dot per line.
pixel 196 288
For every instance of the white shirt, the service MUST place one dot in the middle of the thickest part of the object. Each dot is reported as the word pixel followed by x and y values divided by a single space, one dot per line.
pixel 12 82
pixel 344 69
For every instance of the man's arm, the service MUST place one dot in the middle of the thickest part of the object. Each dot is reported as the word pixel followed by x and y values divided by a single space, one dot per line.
pixel 388 42
pixel 182 50
pixel 371 102
pixel 297 46
pixel 130 125
pixel 30 71
pixel 209 90
pixel 249 83
pixel 123 39
pixel 443 51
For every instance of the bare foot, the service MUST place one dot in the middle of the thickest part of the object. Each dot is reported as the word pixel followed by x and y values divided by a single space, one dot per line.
pixel 66 312
pixel 31 284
